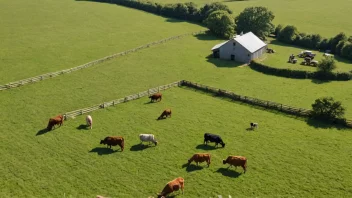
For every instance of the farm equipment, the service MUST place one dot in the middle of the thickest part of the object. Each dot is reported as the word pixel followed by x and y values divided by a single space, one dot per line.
pixel 305 54
pixel 292 59
pixel 310 62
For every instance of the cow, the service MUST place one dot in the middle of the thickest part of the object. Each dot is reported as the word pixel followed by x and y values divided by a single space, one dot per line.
pixel 172 186
pixel 113 141
pixel 199 158
pixel 148 138
pixel 254 125
pixel 155 97
pixel 166 113
pixel 58 120
pixel 89 121
pixel 236 161
pixel 213 138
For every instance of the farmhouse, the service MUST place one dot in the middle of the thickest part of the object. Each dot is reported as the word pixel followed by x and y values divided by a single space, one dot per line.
pixel 241 48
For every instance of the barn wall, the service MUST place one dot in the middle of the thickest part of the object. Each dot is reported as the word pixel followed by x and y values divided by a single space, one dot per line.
pixel 259 53
pixel 226 50
pixel 241 54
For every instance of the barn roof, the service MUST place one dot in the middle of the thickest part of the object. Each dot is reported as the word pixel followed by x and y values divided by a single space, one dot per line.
pixel 218 45
pixel 250 41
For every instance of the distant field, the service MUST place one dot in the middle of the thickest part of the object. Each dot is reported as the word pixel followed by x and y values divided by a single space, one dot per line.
pixel 291 158
pixel 325 17
pixel 46 35
pixel 283 51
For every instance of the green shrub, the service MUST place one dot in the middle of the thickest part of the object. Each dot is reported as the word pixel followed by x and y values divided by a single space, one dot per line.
pixel 221 23
pixel 326 65
pixel 327 109
pixel 288 34
pixel 278 29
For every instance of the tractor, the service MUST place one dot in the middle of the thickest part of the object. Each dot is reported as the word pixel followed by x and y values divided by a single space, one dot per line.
pixel 305 54
pixel 310 62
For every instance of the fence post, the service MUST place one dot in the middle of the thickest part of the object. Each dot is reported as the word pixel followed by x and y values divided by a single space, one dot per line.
pixel 267 103
pixel 113 103
pixel 148 92
pixel 41 77
pixel 81 112
pixel 281 107
pixel 158 89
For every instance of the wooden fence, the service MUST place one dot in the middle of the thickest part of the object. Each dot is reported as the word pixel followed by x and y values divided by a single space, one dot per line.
pixel 90 64
pixel 254 101
pixel 148 92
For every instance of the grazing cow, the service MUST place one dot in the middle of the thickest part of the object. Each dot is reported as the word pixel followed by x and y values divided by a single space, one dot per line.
pixel 58 120
pixel 213 138
pixel 236 161
pixel 148 138
pixel 89 121
pixel 172 186
pixel 254 125
pixel 199 158
pixel 113 141
pixel 166 113
pixel 155 97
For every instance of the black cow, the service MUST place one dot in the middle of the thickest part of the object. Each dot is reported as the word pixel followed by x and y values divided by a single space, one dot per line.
pixel 213 138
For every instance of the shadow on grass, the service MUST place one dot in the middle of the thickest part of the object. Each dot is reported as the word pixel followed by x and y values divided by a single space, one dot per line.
pixel 171 20
pixel 222 63
pixel 83 127
pixel 249 129
pixel 207 36
pixel 191 167
pixel 228 172
pixel 316 81
pixel 324 125
pixel 42 131
pixel 205 147
pixel 103 151
pixel 140 147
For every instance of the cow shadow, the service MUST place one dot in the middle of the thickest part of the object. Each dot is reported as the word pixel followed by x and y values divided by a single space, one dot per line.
pixel 205 147
pixel 42 131
pixel 228 172
pixel 249 129
pixel 140 147
pixel 83 127
pixel 163 118
pixel 103 151
pixel 191 167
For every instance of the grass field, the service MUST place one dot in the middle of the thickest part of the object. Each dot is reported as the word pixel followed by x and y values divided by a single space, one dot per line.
pixel 283 51
pixel 325 17
pixel 287 159
pixel 46 35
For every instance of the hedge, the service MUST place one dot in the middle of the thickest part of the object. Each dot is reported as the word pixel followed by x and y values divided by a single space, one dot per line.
pixel 299 74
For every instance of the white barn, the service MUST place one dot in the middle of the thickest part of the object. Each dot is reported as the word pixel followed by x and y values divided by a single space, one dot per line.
pixel 241 48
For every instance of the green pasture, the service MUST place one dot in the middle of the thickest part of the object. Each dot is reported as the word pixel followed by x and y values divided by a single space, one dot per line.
pixel 325 17
pixel 286 156
pixel 282 52
pixel 46 35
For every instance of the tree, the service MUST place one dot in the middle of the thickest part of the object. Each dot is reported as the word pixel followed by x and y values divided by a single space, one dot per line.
pixel 334 41
pixel 288 34
pixel 326 65
pixel 209 8
pixel 278 29
pixel 347 51
pixel 327 109
pixel 257 20
pixel 221 23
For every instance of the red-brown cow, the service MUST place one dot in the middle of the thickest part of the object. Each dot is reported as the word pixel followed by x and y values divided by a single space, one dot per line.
pixel 166 113
pixel 236 161
pixel 155 97
pixel 113 141
pixel 199 158
pixel 58 120
pixel 172 186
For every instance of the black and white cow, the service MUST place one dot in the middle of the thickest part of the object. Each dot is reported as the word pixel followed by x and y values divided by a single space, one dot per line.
pixel 213 138
pixel 254 125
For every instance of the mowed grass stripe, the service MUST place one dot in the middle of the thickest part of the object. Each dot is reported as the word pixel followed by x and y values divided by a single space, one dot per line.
pixel 45 36
pixel 286 157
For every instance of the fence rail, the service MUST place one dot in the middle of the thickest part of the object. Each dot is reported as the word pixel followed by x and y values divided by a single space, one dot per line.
pixel 89 64
pixel 148 92
pixel 254 101
pixel 221 92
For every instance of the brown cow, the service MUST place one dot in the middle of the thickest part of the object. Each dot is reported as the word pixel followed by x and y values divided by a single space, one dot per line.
pixel 155 97
pixel 199 158
pixel 113 141
pixel 166 113
pixel 172 186
pixel 236 161
pixel 58 120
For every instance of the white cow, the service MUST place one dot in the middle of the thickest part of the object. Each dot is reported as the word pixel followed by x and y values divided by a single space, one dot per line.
pixel 89 121
pixel 148 138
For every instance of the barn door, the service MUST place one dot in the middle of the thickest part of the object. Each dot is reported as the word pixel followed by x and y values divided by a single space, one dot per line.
pixel 232 57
